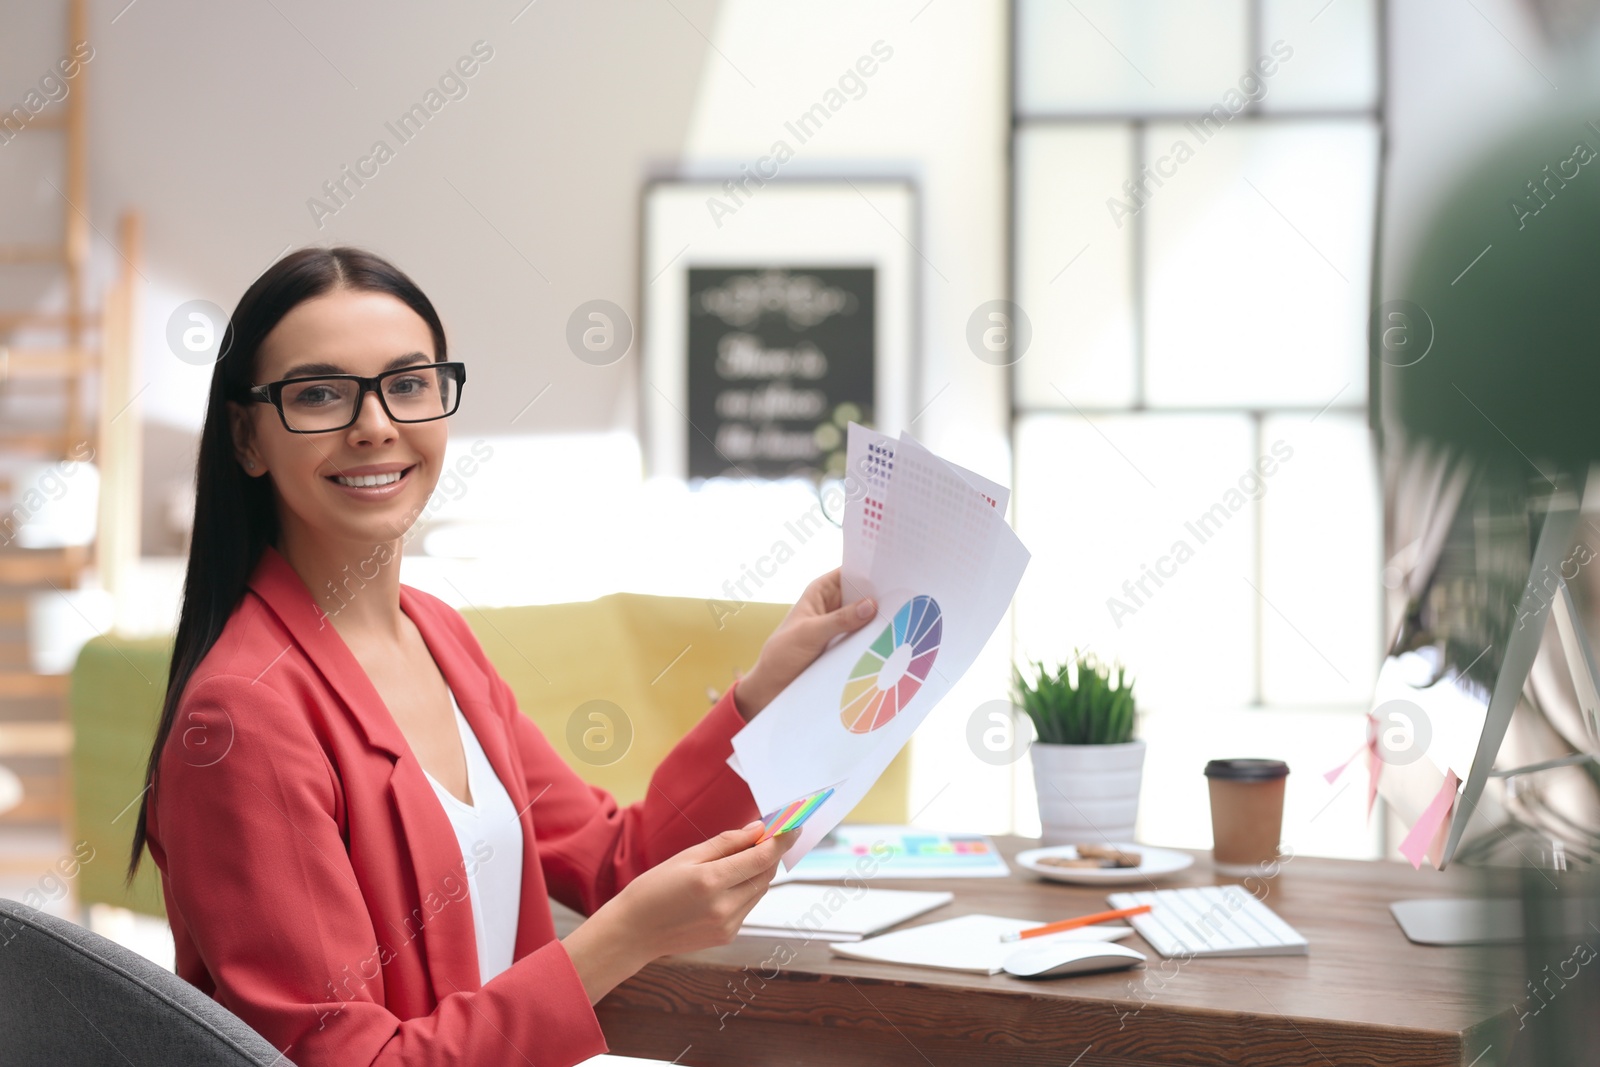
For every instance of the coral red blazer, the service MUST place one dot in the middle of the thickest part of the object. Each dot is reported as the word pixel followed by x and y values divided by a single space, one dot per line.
pixel 314 884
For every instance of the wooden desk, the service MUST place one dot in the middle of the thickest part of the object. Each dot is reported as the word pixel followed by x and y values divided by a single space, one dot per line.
pixel 1364 995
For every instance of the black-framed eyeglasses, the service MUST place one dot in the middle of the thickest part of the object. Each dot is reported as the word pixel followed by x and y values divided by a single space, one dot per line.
pixel 330 402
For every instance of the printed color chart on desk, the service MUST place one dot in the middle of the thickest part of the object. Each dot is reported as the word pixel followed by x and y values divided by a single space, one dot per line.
pixel 853 849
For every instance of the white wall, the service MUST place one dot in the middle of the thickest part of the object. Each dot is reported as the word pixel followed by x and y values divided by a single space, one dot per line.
pixel 521 199
pixel 515 203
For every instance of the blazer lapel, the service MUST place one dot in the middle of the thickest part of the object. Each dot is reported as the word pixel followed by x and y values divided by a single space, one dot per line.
pixel 280 586
pixel 472 689
pixel 470 685
pixel 443 910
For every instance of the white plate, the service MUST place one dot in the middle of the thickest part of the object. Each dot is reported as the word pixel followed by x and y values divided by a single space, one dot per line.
pixel 1158 862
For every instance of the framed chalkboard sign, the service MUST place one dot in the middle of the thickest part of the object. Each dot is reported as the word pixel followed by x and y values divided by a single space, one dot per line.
pixel 779 360
pixel 769 328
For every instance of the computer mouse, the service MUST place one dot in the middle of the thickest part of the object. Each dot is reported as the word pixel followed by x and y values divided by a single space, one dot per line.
pixel 1055 959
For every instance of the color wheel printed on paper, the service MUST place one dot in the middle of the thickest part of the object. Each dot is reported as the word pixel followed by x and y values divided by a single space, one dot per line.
pixel 893 668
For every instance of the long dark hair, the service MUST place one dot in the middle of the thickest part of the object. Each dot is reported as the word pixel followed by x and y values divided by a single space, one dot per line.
pixel 235 516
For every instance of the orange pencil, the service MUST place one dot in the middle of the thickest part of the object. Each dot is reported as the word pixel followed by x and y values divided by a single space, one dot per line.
pixel 1073 924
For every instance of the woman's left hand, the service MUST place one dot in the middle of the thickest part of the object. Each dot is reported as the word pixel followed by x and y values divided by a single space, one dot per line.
pixel 816 618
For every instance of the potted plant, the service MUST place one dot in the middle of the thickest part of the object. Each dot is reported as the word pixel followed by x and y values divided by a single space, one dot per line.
pixel 1087 766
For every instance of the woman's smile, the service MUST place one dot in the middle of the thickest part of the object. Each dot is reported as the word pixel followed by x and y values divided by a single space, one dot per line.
pixel 379 481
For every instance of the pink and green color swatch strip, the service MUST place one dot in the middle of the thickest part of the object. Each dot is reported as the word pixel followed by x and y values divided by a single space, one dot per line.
pixel 791 815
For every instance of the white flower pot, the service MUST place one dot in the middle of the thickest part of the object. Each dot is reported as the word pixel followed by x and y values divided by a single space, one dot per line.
pixel 1087 793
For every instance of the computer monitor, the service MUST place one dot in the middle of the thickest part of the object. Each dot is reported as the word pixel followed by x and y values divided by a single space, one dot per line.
pixel 1488 578
pixel 1488 575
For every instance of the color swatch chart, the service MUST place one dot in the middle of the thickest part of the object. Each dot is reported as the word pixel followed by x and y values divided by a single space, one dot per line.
pixel 893 667
pixel 792 815
pixel 854 850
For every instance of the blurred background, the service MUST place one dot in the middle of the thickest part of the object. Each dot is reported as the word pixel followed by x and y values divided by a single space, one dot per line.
pixel 1175 314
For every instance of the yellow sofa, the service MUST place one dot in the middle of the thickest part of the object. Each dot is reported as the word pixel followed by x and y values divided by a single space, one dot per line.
pixel 613 683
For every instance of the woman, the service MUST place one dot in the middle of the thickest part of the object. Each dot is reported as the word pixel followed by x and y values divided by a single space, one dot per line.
pixel 357 830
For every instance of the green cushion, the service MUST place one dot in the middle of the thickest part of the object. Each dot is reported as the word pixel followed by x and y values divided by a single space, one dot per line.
pixel 117 687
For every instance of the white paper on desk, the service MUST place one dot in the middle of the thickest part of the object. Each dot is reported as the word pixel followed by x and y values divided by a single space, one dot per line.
pixel 966 943
pixel 869 458
pixel 944 571
pixel 830 913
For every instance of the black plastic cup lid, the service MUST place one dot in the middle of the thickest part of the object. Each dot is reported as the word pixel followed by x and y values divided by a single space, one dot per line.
pixel 1247 770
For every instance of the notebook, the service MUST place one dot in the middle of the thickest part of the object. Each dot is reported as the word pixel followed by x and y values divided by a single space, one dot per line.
pixel 835 913
pixel 967 943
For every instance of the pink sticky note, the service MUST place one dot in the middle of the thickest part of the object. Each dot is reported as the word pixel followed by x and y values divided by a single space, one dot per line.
pixel 1331 776
pixel 1415 846
pixel 1374 764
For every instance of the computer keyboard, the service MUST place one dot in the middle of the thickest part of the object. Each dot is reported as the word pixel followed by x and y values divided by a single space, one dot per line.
pixel 1212 920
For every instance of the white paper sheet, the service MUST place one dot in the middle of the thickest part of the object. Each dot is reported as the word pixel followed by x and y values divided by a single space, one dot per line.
pixel 831 913
pixel 944 569
pixel 966 943
pixel 869 458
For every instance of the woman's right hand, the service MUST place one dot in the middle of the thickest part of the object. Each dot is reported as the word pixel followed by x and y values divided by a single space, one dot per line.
pixel 693 900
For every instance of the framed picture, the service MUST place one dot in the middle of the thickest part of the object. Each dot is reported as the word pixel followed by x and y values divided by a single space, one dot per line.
pixel 774 314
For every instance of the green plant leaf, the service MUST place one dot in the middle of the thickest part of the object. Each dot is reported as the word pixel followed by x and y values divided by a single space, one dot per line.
pixel 1081 701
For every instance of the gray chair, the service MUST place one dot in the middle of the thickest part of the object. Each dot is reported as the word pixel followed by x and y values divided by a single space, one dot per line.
pixel 70 997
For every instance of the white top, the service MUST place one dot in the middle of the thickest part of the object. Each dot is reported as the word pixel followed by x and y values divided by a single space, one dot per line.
pixel 491 849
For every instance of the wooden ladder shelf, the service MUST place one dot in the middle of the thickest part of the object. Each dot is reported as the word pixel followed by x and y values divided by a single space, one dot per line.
pixel 65 374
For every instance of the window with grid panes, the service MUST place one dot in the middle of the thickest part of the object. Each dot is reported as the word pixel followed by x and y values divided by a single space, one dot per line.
pixel 1194 203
